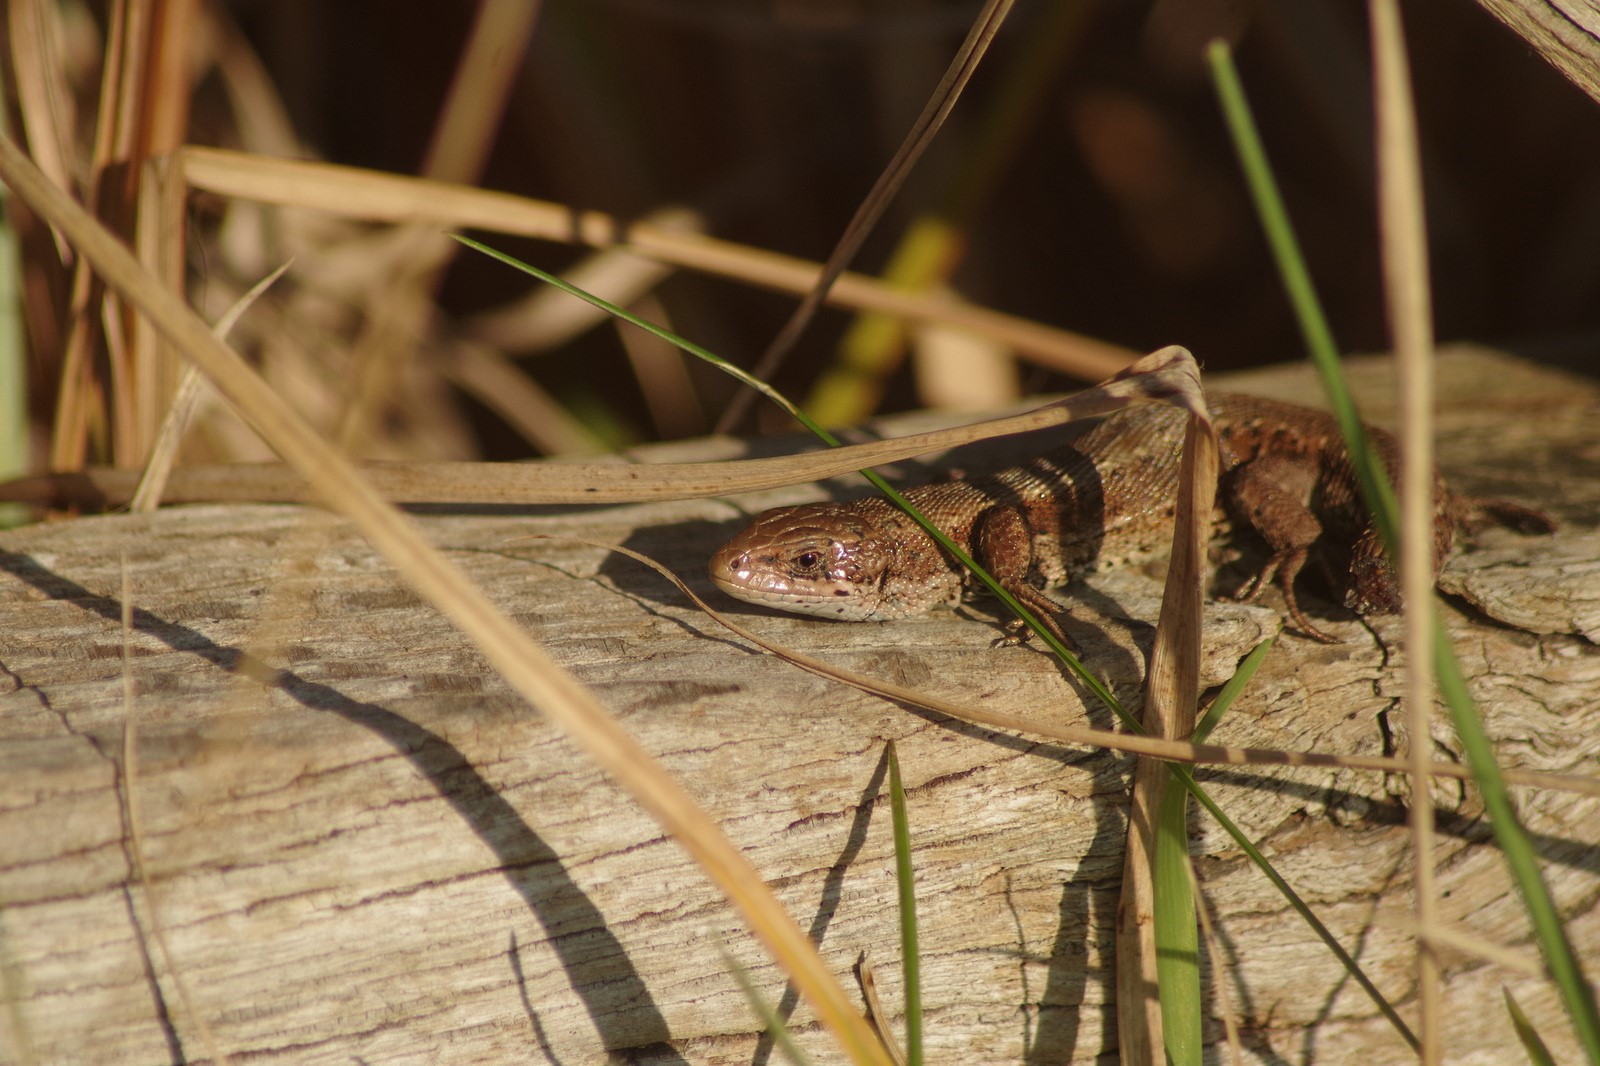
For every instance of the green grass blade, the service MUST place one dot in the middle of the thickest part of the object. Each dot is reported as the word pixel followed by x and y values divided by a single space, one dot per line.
pixel 1576 992
pixel 1532 1042
pixel 1177 932
pixel 1232 690
pixel 1297 283
pixel 910 954
pixel 766 1012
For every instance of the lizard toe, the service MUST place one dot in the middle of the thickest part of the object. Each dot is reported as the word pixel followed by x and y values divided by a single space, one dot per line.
pixel 1046 610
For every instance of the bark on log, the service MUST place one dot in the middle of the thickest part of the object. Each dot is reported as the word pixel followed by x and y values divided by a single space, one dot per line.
pixel 1565 32
pixel 364 849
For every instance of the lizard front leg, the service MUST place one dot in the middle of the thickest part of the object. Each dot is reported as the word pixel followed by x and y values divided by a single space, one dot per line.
pixel 1002 543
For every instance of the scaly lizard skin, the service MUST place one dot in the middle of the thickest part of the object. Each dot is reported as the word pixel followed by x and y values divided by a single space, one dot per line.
pixel 1105 499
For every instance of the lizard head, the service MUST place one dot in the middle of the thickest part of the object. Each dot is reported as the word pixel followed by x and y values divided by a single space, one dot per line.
pixel 823 559
pixel 1374 586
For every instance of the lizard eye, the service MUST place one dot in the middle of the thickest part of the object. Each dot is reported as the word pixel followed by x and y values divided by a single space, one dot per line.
pixel 808 560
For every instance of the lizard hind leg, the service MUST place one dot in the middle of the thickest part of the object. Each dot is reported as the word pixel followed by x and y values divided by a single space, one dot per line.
pixel 1269 495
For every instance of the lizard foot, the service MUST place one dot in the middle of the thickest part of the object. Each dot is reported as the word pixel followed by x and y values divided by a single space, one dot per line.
pixel 1017 634
pixel 1303 623
pixel 1045 610
pixel 1281 570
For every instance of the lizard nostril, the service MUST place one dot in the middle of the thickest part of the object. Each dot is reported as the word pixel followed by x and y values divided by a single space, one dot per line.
pixel 725 562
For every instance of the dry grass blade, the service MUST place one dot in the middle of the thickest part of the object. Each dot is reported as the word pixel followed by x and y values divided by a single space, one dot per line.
pixel 875 1012
pixel 78 400
pixel 151 119
pixel 984 27
pixel 399 302
pixel 130 810
pixel 934 244
pixel 1405 261
pixel 476 103
pixel 262 120
pixel 524 665
pixel 1171 691
pixel 608 482
pixel 355 193
pixel 168 90
pixel 663 375
pixel 497 383
pixel 154 369
pixel 147 496
pixel 43 98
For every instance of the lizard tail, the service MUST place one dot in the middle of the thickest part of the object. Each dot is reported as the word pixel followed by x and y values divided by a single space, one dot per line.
pixel 1473 513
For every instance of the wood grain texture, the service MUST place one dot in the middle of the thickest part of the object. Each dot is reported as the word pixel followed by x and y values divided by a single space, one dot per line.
pixel 364 848
pixel 1565 32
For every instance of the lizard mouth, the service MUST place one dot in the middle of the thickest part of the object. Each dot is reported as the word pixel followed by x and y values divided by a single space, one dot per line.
pixel 737 574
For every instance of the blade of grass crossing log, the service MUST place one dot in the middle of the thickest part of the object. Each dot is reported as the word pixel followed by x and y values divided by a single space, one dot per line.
pixel 1177 936
pixel 1577 995
pixel 1167 950
pixel 1531 1041
pixel 765 1011
pixel 905 879
pixel 1232 690
pixel 1177 933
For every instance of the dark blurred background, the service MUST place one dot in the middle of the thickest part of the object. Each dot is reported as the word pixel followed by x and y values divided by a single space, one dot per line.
pixel 1106 199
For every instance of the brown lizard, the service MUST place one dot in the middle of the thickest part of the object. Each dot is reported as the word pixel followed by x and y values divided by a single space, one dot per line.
pixel 1106 498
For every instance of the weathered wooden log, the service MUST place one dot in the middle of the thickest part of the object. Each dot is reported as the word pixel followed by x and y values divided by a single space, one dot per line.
pixel 1565 32
pixel 362 847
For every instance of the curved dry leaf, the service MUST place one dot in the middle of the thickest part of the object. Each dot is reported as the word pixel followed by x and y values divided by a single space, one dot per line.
pixel 1166 373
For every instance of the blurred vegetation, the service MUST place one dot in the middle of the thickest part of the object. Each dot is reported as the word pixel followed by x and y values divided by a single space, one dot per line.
pixel 1084 182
